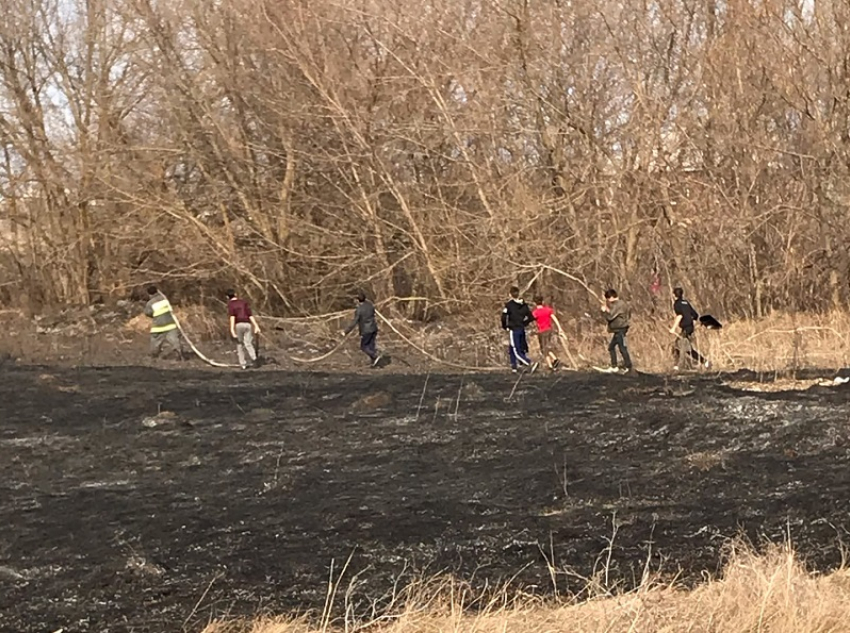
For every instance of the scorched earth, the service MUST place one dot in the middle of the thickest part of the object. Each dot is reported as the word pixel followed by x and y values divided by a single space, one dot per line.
pixel 143 500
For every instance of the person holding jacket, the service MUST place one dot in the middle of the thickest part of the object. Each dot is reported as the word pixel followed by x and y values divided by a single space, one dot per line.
pixel 516 316
pixel 163 326
pixel 367 324
pixel 617 314
pixel 683 328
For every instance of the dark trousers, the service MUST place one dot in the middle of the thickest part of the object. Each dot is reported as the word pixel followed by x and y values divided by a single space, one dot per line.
pixel 618 341
pixel 684 349
pixel 518 347
pixel 369 344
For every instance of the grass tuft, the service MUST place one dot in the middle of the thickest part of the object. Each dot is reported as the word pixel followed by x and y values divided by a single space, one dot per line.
pixel 770 592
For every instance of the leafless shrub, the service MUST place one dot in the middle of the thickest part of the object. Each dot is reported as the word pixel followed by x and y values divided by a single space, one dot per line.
pixel 300 149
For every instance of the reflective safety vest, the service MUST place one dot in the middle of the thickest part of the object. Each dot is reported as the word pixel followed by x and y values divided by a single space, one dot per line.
pixel 163 321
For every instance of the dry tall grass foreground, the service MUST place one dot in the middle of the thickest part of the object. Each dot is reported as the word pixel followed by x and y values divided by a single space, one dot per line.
pixel 770 593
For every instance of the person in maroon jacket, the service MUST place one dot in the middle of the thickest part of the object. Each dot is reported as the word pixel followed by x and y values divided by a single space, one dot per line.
pixel 243 328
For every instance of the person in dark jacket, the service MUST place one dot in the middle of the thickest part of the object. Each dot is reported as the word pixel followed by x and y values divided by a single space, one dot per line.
pixel 367 324
pixel 516 316
pixel 683 327
pixel 617 314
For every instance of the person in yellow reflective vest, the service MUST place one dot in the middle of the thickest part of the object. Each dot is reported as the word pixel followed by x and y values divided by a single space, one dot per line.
pixel 163 326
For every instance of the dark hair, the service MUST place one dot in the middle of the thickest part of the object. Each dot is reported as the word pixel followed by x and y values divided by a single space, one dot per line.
pixel 611 293
pixel 230 292
pixel 152 290
pixel 678 292
pixel 514 292
pixel 538 299
pixel 361 296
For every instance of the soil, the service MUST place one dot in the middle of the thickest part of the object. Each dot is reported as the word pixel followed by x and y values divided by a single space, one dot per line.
pixel 156 499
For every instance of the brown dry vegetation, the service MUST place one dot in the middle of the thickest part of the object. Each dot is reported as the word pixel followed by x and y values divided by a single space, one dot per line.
pixel 439 150
pixel 775 343
pixel 771 593
pixel 779 343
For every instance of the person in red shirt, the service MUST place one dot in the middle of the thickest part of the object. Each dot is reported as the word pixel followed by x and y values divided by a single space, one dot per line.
pixel 545 317
pixel 243 327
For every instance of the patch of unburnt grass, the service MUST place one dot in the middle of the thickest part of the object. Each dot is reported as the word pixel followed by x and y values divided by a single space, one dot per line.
pixel 771 591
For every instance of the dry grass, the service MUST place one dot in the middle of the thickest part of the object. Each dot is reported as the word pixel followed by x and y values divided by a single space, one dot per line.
pixel 371 402
pixel 784 384
pixel 770 593
pixel 775 344
pixel 706 460
pixel 780 342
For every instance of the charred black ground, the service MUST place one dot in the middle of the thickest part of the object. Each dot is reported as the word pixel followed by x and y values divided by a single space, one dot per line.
pixel 141 500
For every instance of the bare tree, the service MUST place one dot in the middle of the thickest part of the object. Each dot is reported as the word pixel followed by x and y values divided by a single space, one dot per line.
pixel 441 150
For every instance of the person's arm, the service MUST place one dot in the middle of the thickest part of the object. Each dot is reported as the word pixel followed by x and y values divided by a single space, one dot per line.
pixel 505 318
pixel 251 319
pixel 357 316
pixel 232 326
pixel 557 325
pixel 149 309
pixel 528 318
pixel 674 329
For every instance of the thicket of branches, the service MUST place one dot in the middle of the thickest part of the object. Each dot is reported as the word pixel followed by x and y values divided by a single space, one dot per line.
pixel 441 149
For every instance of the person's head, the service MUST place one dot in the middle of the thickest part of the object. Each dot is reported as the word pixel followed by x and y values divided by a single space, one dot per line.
pixel 152 290
pixel 361 296
pixel 514 292
pixel 538 299
pixel 678 293
pixel 611 295
pixel 231 294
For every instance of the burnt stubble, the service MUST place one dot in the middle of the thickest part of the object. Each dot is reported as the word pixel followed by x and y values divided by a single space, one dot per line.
pixel 143 500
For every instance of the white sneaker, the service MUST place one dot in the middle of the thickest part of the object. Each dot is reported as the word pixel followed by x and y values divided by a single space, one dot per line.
pixel 675 368
pixel 707 364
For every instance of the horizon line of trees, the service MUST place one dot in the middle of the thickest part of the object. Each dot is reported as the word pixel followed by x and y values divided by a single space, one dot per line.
pixel 444 150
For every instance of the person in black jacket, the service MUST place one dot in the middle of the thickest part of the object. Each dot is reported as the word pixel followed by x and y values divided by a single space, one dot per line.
pixel 367 324
pixel 683 328
pixel 516 316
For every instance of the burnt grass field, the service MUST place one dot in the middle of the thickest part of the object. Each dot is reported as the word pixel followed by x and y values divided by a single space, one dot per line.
pixel 133 499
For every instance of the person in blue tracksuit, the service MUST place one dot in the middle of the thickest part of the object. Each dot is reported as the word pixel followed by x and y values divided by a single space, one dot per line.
pixel 516 316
